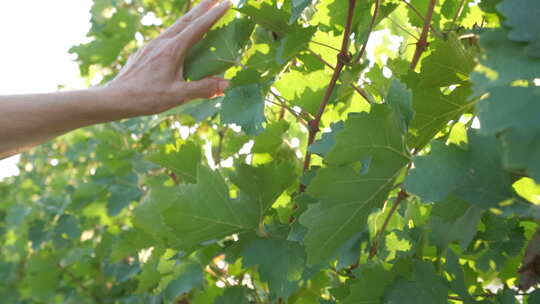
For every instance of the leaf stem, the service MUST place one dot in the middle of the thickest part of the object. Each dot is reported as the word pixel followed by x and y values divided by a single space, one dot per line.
pixel 374 247
pixel 358 90
pixel 326 45
pixel 371 25
pixel 422 43
pixel 342 59
pixel 458 14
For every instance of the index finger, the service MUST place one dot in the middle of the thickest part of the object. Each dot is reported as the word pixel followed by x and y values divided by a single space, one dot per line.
pixel 193 14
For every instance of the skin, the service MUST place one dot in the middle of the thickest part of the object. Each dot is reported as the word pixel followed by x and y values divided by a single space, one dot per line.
pixel 151 82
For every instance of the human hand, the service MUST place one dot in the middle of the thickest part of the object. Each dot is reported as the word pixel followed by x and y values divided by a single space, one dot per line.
pixel 152 80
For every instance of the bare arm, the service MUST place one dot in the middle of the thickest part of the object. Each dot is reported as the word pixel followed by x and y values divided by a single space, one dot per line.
pixel 150 83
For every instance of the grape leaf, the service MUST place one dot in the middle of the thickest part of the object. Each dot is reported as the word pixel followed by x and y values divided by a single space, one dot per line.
pixel 294 43
pixel 522 17
pixel 424 286
pixel 346 195
pixel 41 277
pixel 182 161
pixel 476 175
pixel 371 284
pixel 219 50
pixel 244 105
pixel 298 7
pixel 461 229
pixel 266 14
pixel 517 121
pixel 280 262
pixel 233 295
pixel 202 212
pixel 502 62
pixel 189 276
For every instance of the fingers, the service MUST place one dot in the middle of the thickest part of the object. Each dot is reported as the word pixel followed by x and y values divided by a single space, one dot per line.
pixel 196 29
pixel 193 14
pixel 205 88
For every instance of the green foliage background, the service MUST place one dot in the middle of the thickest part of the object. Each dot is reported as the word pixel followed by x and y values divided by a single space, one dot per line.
pixel 422 185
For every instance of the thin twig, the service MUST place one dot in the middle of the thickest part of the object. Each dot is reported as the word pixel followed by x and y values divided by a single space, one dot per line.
pixel 374 247
pixel 342 59
pixel 415 10
pixel 402 28
pixel 370 29
pixel 458 13
pixel 422 43
pixel 326 45
pixel 359 90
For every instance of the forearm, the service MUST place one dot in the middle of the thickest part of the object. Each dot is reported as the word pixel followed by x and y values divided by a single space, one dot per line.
pixel 151 82
pixel 29 120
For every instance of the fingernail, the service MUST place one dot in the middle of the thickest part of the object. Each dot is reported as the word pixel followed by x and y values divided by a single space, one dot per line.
pixel 223 84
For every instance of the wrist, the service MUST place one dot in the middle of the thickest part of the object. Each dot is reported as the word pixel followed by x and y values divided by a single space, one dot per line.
pixel 111 103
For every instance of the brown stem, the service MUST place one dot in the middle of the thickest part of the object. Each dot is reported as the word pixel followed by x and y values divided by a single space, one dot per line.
pixel 415 10
pixel 360 91
pixel 422 44
pixel 371 25
pixel 342 59
pixel 374 247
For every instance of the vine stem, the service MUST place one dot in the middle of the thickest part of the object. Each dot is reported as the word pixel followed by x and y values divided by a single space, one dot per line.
pixel 342 59
pixel 422 43
pixel 371 25
pixel 374 247
pixel 359 90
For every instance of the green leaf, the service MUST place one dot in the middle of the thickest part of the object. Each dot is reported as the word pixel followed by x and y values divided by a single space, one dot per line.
pixel 41 277
pixel 328 140
pixel 149 277
pixel 522 17
pixel 461 229
pixel 371 284
pixel 194 214
pixel 204 211
pixel 271 139
pixel 476 175
pixel 263 184
pixel 449 63
pixel 266 14
pixel 218 51
pixel 182 161
pixel 308 96
pixel 280 263
pixel 294 43
pixel 502 62
pixel 433 109
pixel 112 35
pixel 424 286
pixel 234 295
pixel 244 105
pixel 348 195
pixel 400 99
pixel 189 276
pixel 517 124
pixel 457 282
pixel 298 7
pixel 426 180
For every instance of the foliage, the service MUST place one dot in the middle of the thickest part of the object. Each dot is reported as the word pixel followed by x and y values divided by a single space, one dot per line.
pixel 328 173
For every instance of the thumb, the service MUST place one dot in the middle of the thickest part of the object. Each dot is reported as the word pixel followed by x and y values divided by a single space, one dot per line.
pixel 205 88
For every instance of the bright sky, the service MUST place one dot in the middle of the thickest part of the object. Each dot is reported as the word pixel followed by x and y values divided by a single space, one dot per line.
pixel 36 36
